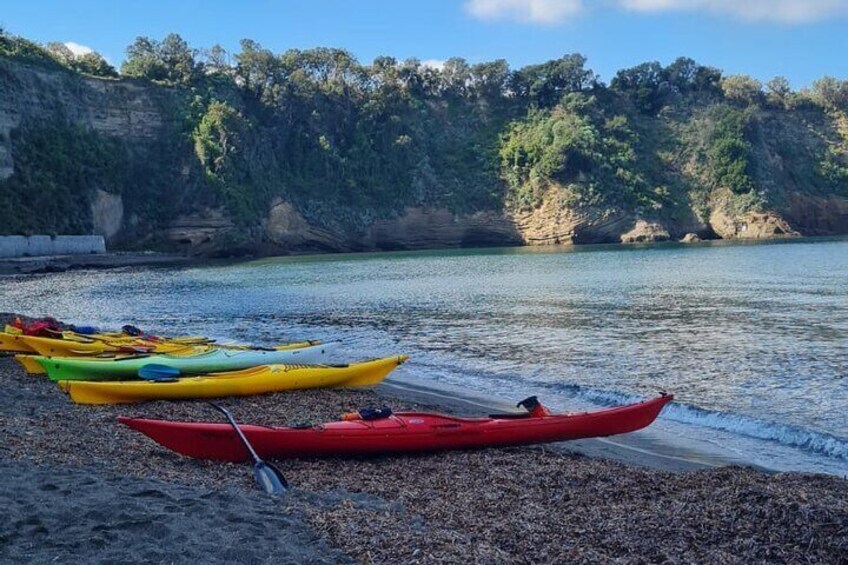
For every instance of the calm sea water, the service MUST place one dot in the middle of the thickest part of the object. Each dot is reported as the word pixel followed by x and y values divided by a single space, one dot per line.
pixel 752 339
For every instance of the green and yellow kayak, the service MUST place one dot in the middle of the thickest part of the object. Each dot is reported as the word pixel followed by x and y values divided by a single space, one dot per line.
pixel 215 360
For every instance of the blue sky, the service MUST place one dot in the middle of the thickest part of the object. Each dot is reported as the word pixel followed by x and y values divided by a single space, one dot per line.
pixel 800 39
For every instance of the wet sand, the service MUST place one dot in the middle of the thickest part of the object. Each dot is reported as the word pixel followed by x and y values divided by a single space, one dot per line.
pixel 81 487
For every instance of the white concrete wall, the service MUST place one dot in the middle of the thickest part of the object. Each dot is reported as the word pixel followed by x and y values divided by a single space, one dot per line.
pixel 39 245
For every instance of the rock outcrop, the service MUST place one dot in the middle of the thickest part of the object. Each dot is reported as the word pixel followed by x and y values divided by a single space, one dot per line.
pixel 286 230
pixel 645 232
pixel 751 225
pixel 556 223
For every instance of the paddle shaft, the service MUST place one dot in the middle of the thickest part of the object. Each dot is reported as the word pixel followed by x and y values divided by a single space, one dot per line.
pixel 241 435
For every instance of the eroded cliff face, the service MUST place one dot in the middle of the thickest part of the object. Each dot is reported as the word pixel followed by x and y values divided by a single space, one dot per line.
pixel 130 123
pixel 553 223
pixel 557 223
pixel 817 215
pixel 119 108
pixel 285 230
pixel 421 228
pixel 415 228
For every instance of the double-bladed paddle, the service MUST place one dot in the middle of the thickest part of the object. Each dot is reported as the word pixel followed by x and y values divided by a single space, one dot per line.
pixel 159 373
pixel 270 479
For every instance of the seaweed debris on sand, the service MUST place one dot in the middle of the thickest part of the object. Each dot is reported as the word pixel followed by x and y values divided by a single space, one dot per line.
pixel 501 505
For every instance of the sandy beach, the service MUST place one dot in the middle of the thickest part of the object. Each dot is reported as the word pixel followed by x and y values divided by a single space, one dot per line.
pixel 78 486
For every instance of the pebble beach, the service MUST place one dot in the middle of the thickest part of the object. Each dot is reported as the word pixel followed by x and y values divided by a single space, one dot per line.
pixel 81 487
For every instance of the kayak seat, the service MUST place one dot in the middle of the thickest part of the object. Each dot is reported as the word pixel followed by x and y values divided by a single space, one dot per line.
pixel 301 426
pixel 510 416
pixel 371 414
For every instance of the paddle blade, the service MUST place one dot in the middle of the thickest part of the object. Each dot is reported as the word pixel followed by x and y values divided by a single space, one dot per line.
pixel 269 478
pixel 160 373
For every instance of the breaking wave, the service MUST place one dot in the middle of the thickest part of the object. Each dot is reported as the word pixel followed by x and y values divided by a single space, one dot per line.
pixel 793 436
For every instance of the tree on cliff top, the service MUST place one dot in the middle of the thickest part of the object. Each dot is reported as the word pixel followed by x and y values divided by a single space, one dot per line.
pixel 547 83
pixel 91 63
pixel 831 93
pixel 742 89
pixel 170 60
pixel 650 86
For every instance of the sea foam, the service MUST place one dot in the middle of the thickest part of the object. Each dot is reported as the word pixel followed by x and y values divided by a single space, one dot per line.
pixel 794 436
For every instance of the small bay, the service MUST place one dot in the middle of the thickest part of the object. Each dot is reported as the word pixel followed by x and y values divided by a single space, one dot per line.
pixel 751 338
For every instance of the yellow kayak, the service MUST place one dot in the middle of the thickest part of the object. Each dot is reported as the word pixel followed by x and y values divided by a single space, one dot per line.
pixel 50 347
pixel 257 380
pixel 184 339
pixel 13 343
pixel 122 336
pixel 30 365
pixel 72 344
pixel 76 347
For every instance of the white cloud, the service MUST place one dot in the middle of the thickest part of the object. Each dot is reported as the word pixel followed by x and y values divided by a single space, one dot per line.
pixel 437 64
pixel 77 49
pixel 526 11
pixel 787 11
pixel 557 11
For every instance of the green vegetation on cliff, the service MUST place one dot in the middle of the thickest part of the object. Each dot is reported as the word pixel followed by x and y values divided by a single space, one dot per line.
pixel 580 147
pixel 348 143
pixel 56 169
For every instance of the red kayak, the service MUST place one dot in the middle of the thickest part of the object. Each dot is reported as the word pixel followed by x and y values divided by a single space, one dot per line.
pixel 403 432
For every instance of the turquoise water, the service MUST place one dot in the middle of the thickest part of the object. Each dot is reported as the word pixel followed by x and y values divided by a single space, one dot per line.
pixel 752 339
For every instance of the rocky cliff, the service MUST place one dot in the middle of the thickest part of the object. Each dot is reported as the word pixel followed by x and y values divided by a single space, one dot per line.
pixel 125 158
pixel 118 108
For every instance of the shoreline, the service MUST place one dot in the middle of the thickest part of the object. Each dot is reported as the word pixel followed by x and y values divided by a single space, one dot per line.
pixel 120 259
pixel 128 498
pixel 108 260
